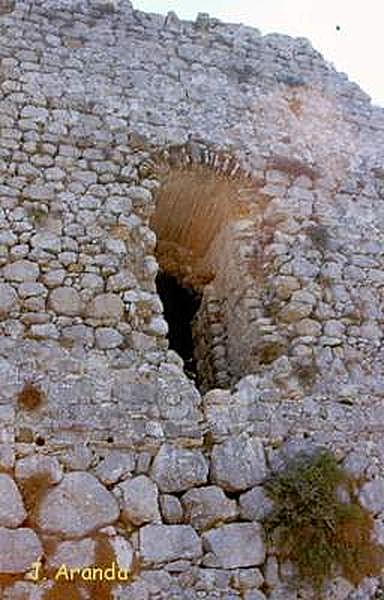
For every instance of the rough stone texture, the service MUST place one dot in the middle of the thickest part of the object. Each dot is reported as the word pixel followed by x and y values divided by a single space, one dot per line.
pixel 76 554
pixel 19 548
pixel 12 511
pixel 166 543
pixel 140 501
pixel 205 507
pixel 372 496
pixel 171 509
pixel 114 466
pixel 8 299
pixel 76 506
pixel 238 463
pixel 175 469
pixel 234 545
pixel 47 467
pixel 106 307
pixel 255 504
pixel 246 168
pixel 65 301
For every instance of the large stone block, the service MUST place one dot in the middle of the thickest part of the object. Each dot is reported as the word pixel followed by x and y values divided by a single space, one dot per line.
pixel 12 511
pixel 176 469
pixel 78 505
pixel 238 463
pixel 204 507
pixel 166 543
pixel 234 545
pixel 140 502
pixel 19 548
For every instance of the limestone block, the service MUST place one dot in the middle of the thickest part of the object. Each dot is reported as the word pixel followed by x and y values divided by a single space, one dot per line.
pixel 207 506
pixel 74 554
pixel 171 509
pixel 8 299
pixel 19 548
pixel 7 457
pixel 39 465
pixel 255 504
pixel 176 469
pixel 65 301
pixel 46 241
pixel 157 326
pixel 165 543
pixel 92 281
pixel 371 496
pixel 106 338
pixel 238 463
pixel 53 278
pixel 107 307
pixel 114 466
pixel 31 288
pixel 78 505
pixel 140 502
pixel 21 270
pixel 308 327
pixel 295 311
pixel 123 550
pixel 12 511
pixel 48 330
pixel 244 579
pixel 234 545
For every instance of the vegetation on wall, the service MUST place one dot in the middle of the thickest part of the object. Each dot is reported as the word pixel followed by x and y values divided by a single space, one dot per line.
pixel 318 523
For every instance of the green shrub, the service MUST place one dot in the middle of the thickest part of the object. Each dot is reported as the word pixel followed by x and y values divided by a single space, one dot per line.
pixel 316 530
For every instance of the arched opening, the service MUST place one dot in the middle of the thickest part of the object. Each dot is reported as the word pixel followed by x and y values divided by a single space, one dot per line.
pixel 180 307
pixel 198 222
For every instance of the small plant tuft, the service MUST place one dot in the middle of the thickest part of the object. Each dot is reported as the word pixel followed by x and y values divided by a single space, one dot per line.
pixel 316 530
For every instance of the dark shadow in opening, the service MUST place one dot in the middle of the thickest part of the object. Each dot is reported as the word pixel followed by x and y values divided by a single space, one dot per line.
pixel 180 306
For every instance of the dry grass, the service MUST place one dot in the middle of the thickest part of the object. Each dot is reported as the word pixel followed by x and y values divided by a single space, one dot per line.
pixel 315 530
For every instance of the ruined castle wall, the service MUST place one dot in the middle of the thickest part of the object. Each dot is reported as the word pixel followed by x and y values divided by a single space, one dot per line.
pixel 115 451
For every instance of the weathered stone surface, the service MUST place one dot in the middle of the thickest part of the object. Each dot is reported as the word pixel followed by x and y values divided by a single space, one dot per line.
pixel 234 545
pixel 255 504
pixel 21 270
pixel 65 301
pixel 8 299
pixel 106 307
pixel 114 466
pixel 371 496
pixel 249 578
pixel 165 543
pixel 288 259
pixel 46 241
pixel 176 469
pixel 140 500
pixel 12 511
pixel 123 551
pixel 205 507
pixel 19 548
pixel 106 337
pixel 171 509
pixel 39 465
pixel 74 554
pixel 78 505
pixel 238 463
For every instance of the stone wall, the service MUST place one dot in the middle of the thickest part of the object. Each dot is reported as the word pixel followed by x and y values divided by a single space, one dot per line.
pixel 250 169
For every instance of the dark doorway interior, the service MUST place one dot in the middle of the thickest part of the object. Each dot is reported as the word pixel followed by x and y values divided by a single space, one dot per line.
pixel 180 306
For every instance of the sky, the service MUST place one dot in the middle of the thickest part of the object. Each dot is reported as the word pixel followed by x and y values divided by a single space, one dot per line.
pixel 348 33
